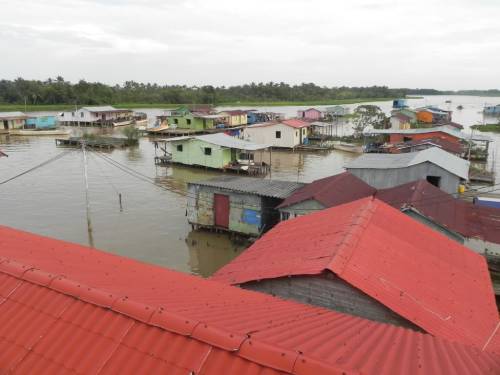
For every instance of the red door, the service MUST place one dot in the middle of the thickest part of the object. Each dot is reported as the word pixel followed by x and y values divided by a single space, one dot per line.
pixel 221 208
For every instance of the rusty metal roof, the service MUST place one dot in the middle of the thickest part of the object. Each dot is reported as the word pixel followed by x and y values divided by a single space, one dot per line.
pixel 331 191
pixel 462 217
pixel 65 308
pixel 250 185
pixel 432 281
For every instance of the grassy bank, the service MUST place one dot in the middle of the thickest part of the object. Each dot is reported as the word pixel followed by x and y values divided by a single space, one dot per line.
pixel 494 128
pixel 63 107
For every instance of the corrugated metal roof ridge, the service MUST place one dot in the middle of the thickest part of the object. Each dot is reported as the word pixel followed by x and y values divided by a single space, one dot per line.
pixel 277 358
pixel 281 185
pixel 346 247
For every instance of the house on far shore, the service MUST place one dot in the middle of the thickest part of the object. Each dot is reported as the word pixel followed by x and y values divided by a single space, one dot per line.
pixel 399 103
pixel 243 205
pixel 12 121
pixel 41 122
pixel 336 111
pixel 324 193
pixel 438 167
pixel 100 116
pixel 218 151
pixel 285 134
pixel 235 117
pixel 368 259
pixel 195 119
pixel 310 114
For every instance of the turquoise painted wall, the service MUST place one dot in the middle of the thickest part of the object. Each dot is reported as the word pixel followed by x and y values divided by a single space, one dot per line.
pixel 41 122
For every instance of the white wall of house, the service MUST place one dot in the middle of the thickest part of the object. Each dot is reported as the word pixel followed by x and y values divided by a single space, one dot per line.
pixel 84 115
pixel 289 137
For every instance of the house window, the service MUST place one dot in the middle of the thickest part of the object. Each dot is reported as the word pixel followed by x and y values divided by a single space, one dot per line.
pixel 285 215
pixel 296 134
pixel 179 148
pixel 176 121
pixel 188 121
pixel 72 113
pixel 81 114
pixel 434 180
pixel 278 134
pixel 208 151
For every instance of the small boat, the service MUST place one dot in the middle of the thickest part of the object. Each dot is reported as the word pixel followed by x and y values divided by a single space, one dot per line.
pixel 3 154
pixel 348 147
pixel 448 101
pixel 36 132
pixel 460 107
pixel 123 123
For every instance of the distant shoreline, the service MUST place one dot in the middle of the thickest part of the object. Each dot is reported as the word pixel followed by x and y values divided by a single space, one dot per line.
pixel 65 107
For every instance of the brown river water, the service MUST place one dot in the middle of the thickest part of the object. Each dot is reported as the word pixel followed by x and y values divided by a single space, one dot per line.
pixel 152 226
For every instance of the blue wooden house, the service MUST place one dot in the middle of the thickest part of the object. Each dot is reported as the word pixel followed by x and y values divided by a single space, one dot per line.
pixel 399 103
pixel 40 122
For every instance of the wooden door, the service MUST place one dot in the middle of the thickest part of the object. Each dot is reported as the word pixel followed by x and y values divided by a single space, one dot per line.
pixel 221 210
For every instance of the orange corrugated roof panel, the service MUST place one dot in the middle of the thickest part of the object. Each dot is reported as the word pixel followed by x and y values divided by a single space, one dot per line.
pixel 65 308
pixel 432 281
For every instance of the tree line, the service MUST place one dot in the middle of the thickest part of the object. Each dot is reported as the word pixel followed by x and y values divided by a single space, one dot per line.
pixel 60 91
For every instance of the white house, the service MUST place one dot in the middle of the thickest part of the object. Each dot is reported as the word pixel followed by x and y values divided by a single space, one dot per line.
pixel 95 116
pixel 286 134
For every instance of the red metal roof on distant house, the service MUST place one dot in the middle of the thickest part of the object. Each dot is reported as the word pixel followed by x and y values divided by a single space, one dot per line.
pixel 66 308
pixel 331 191
pixel 462 217
pixel 420 274
pixel 294 123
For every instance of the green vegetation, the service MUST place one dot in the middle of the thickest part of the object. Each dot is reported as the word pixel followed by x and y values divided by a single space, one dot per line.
pixel 61 94
pixel 132 134
pixel 494 128
pixel 368 115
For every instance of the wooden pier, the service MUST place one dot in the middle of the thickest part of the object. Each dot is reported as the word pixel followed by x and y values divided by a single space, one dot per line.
pixel 101 142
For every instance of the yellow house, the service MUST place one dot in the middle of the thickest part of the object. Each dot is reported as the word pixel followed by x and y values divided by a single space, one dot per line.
pixel 236 117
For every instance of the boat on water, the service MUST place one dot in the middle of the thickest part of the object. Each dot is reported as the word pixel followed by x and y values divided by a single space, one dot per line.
pixel 448 101
pixel 123 123
pixel 349 147
pixel 492 110
pixel 37 132
pixel 460 107
pixel 3 154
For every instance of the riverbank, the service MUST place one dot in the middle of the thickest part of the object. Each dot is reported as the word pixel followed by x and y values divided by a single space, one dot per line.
pixel 64 107
pixel 493 128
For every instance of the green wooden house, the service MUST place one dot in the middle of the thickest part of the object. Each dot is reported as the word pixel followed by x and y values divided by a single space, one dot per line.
pixel 218 151
pixel 186 118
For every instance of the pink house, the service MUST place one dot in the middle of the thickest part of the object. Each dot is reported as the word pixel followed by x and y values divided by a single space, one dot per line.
pixel 310 114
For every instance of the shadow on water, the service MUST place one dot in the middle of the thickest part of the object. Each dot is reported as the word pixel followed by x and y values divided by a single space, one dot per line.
pixel 210 251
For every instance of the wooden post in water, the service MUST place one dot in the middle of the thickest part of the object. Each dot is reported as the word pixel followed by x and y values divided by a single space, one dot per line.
pixel 89 223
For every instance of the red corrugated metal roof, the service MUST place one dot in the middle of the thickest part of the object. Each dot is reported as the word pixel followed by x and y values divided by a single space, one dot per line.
pixel 443 143
pixel 460 216
pixel 294 123
pixel 65 308
pixel 331 191
pixel 430 280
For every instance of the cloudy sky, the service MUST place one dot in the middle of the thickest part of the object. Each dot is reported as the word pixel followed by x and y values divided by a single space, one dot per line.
pixel 444 44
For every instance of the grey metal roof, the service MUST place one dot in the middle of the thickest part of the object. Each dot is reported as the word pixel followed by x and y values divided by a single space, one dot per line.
pixel 251 185
pixel 221 139
pixel 443 129
pixel 12 115
pixel 435 155
pixel 225 140
pixel 104 108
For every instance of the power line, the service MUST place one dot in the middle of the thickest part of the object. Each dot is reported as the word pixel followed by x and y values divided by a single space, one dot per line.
pixel 48 161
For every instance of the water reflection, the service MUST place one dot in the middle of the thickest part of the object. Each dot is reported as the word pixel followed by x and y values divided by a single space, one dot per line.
pixel 210 251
